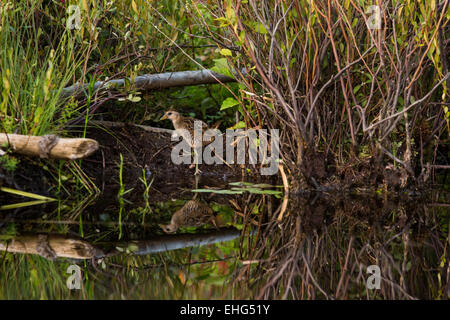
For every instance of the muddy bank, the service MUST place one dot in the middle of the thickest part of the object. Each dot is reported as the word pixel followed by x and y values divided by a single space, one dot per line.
pixel 147 155
pixel 144 153
pixel 360 174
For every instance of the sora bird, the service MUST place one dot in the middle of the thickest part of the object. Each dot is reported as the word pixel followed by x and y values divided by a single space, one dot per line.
pixel 186 125
pixel 192 214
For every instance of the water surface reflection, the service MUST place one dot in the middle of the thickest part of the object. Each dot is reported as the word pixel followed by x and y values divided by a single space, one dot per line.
pixel 320 249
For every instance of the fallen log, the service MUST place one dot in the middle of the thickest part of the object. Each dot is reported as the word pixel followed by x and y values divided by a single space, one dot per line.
pixel 49 146
pixel 155 81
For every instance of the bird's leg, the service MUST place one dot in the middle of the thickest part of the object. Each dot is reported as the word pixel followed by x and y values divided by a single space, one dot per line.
pixel 193 157
pixel 197 170
pixel 215 222
pixel 196 186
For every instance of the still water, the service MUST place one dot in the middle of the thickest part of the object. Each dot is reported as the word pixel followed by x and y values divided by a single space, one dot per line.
pixel 319 246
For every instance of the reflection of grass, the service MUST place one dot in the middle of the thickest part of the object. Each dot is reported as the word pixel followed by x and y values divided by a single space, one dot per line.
pixel 191 273
pixel 22 204
pixel 147 185
pixel 299 257
pixel 34 278
pixel 308 253
pixel 26 194
pixel 39 199
pixel 121 195
pixel 241 187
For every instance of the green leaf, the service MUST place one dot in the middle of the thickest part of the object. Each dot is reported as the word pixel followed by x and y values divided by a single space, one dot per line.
pixel 240 183
pixel 239 125
pixel 229 103
pixel 259 27
pixel 226 52
pixel 135 99
pixel 219 191
pixel 22 204
pixel 356 89
pixel 26 194
pixel 265 185
pixel 223 22
pixel 221 66
pixel 259 191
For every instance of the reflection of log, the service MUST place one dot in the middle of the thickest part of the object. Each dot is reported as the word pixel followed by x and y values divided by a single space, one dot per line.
pixel 63 246
pixel 60 244
pixel 157 81
pixel 50 146
pixel 177 241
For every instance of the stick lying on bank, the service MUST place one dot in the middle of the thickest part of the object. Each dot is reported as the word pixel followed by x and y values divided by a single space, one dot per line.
pixel 49 146
pixel 110 124
pixel 156 81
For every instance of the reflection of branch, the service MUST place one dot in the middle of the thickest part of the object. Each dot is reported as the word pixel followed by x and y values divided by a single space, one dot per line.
pixel 153 266
pixel 172 242
pixel 392 283
pixel 80 249
pixel 439 205
pixel 308 269
pixel 286 194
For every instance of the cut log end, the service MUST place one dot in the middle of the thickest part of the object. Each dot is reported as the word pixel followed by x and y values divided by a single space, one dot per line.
pixel 86 148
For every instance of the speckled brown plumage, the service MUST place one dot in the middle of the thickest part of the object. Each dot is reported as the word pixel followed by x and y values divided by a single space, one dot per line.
pixel 192 214
pixel 187 123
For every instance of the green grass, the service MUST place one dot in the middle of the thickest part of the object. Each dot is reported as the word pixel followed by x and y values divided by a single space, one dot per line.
pixel 32 74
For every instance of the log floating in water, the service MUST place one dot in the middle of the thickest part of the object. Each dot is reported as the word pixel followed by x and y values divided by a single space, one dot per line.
pixel 156 81
pixel 50 146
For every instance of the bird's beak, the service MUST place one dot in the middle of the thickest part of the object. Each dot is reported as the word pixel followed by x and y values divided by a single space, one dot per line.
pixel 164 117
pixel 166 228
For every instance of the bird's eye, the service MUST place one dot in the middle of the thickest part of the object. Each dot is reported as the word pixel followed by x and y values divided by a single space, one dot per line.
pixel 170 113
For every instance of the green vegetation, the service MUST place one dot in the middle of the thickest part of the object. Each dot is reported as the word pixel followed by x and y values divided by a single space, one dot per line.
pixel 358 108
pixel 34 68
pixel 314 70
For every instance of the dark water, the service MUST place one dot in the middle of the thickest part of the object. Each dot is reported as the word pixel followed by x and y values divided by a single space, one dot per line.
pixel 323 246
